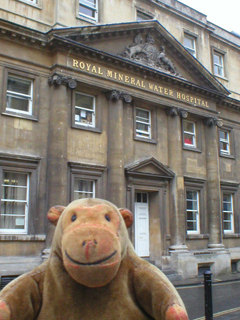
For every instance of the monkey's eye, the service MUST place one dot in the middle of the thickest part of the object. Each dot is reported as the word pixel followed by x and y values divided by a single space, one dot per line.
pixel 74 217
pixel 107 217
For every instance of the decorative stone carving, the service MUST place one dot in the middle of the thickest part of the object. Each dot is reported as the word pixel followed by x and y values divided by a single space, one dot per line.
pixel 116 95
pixel 57 80
pixel 173 111
pixel 147 53
pixel 213 122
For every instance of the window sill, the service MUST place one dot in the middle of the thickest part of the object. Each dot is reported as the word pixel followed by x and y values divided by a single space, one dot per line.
pixel 19 115
pixel 35 5
pixel 231 235
pixel 97 130
pixel 192 149
pixel 23 237
pixel 228 156
pixel 197 236
pixel 220 77
pixel 83 18
pixel 153 141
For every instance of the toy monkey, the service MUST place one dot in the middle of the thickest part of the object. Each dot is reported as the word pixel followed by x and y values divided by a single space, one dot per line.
pixel 93 273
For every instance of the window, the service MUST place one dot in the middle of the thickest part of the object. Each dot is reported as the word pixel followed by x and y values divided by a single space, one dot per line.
pixel 18 189
pixel 143 123
pixel 143 16
pixel 224 142
pixel 190 44
pixel 189 134
pixel 141 197
pixel 218 64
pixel 14 202
pixel 19 95
pixel 84 110
pixel 227 203
pixel 86 180
pixel 88 8
pixel 192 198
pixel 84 189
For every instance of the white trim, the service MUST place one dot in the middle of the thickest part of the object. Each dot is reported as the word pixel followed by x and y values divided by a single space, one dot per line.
pixel 93 111
pixel 18 231
pixel 85 192
pixel 144 205
pixel 191 133
pixel 225 141
pixel 192 50
pixel 90 6
pixel 21 96
pixel 194 211
pixel 231 212
pixel 143 121
pixel 219 66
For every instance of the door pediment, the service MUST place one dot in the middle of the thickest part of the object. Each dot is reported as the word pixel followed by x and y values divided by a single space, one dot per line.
pixel 149 168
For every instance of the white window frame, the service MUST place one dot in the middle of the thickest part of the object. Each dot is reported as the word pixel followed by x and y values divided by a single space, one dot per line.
pixel 19 95
pixel 145 123
pixel 18 231
pixel 219 66
pixel 193 49
pixel 88 192
pixel 193 134
pixel 231 212
pixel 90 6
pixel 225 141
pixel 197 212
pixel 86 109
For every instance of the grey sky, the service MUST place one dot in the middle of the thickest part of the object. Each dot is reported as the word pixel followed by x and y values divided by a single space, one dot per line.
pixel 224 13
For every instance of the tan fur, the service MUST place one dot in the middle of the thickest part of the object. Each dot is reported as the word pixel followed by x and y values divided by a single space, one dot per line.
pixel 137 290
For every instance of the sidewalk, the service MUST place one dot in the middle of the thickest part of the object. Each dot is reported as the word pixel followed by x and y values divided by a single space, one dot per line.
pixel 230 277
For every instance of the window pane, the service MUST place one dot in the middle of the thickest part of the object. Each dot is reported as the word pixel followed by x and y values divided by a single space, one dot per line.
pixel 223 135
pixel 189 42
pixel 227 226
pixel 144 197
pixel 227 197
pixel 142 115
pixel 87 11
pixel 188 126
pixel 188 139
pixel 19 86
pixel 18 103
pixel 191 226
pixel 83 189
pixel 142 127
pixel 84 101
pixel 216 59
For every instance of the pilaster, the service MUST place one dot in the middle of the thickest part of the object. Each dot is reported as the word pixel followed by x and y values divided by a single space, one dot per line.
pixel 57 147
pixel 177 198
pixel 116 179
pixel 213 184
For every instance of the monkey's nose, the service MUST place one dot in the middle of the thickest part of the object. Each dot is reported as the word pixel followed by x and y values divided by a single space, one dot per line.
pixel 89 242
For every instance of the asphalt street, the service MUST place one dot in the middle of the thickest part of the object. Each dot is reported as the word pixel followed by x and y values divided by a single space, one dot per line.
pixel 226 300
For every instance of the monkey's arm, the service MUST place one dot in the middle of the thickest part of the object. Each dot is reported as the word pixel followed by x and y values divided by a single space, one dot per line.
pixel 156 294
pixel 22 298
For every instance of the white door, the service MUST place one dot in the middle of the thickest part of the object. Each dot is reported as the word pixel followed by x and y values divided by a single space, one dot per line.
pixel 141 225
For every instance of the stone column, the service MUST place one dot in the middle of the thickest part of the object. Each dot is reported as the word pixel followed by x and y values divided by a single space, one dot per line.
pixel 116 189
pixel 177 197
pixel 57 183
pixel 213 185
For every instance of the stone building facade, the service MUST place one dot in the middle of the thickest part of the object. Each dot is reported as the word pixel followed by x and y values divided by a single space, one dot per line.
pixel 136 102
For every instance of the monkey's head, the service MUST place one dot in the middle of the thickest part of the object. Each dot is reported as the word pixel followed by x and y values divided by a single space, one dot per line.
pixel 91 238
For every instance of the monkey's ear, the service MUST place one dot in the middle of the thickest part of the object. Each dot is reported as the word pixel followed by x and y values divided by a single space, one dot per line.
pixel 54 214
pixel 127 216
